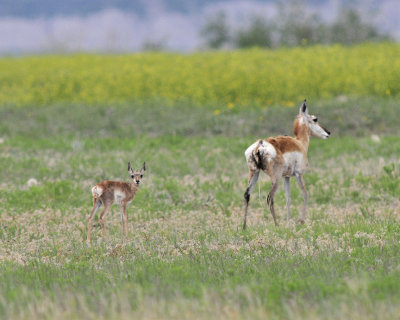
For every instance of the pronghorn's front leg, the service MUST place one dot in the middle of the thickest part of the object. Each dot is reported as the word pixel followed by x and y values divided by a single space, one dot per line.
pixel 288 198
pixel 253 177
pixel 125 219
pixel 271 197
pixel 300 181
pixel 96 206
pixel 122 217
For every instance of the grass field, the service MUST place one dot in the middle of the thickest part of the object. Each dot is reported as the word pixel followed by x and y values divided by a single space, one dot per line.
pixel 186 255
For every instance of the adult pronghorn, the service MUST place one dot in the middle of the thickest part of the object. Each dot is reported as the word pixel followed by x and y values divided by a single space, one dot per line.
pixel 283 156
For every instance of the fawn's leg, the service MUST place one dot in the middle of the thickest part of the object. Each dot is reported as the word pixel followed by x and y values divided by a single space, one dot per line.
pixel 288 198
pixel 96 206
pixel 124 218
pixel 102 215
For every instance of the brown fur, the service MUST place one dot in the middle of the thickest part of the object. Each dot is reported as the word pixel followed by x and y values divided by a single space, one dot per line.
pixel 276 167
pixel 287 144
pixel 125 192
pixel 109 187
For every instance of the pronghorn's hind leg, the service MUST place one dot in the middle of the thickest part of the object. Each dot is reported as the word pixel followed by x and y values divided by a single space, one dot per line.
pixel 96 206
pixel 101 217
pixel 300 181
pixel 253 177
pixel 271 197
pixel 288 198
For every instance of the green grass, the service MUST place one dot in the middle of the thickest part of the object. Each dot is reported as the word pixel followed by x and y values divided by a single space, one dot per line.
pixel 186 255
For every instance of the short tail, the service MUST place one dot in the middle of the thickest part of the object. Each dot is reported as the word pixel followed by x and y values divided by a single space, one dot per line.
pixel 257 155
pixel 96 193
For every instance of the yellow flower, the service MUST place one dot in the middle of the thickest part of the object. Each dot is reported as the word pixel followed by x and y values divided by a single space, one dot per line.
pixel 230 105
pixel 217 112
pixel 290 104
pixel 387 91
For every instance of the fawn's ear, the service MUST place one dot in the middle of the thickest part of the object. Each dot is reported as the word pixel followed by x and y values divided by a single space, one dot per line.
pixel 303 108
pixel 144 167
pixel 129 166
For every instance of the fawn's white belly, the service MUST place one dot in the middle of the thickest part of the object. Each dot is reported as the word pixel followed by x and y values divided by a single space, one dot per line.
pixel 118 196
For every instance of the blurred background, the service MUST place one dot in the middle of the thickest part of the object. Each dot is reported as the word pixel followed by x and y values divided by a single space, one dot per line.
pixel 107 26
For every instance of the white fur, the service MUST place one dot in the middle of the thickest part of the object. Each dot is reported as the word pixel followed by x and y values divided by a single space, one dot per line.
pixel 317 131
pixel 97 191
pixel 118 196
pixel 266 149
pixel 294 163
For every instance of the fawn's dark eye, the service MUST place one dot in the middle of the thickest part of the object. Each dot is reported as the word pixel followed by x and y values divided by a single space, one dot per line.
pixel 141 176
pixel 315 119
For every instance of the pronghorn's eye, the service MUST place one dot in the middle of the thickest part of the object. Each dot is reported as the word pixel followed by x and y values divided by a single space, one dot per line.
pixel 315 119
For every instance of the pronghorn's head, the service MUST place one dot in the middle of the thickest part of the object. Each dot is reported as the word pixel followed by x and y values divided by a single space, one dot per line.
pixel 136 175
pixel 311 122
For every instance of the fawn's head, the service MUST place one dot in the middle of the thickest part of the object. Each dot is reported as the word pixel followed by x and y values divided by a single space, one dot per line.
pixel 311 122
pixel 136 175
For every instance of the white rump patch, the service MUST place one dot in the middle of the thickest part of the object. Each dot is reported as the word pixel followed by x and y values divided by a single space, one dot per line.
pixel 97 191
pixel 266 149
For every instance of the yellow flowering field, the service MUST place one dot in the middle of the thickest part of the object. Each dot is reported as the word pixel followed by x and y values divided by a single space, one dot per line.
pixel 247 77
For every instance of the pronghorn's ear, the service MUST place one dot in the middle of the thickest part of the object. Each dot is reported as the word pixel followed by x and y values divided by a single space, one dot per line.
pixel 129 166
pixel 303 108
pixel 144 167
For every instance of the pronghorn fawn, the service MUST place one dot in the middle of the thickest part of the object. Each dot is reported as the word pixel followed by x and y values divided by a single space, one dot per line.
pixel 283 156
pixel 107 193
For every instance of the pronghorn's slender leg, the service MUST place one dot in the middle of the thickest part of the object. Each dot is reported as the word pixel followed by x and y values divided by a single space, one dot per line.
pixel 102 215
pixel 253 177
pixel 96 206
pixel 300 181
pixel 288 198
pixel 122 218
pixel 125 224
pixel 271 197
